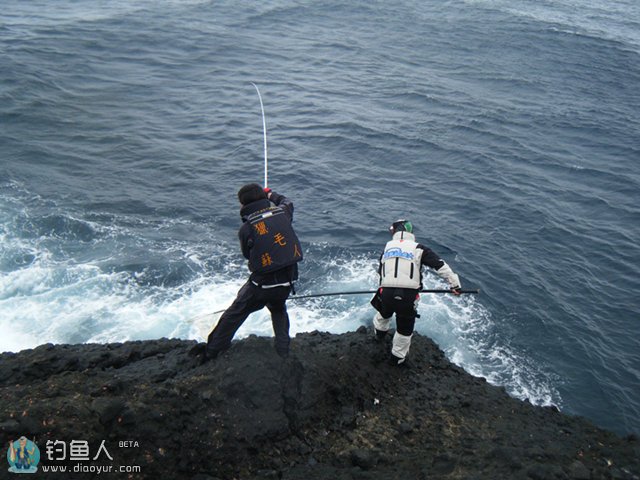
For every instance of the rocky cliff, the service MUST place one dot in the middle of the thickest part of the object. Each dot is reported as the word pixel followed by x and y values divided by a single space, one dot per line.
pixel 333 410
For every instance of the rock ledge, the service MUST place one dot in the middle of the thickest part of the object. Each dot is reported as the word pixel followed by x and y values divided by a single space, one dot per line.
pixel 333 410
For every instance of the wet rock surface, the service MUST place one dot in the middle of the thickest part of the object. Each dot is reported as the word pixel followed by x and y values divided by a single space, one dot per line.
pixel 333 410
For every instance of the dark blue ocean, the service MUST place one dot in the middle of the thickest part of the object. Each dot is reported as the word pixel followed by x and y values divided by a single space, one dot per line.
pixel 507 131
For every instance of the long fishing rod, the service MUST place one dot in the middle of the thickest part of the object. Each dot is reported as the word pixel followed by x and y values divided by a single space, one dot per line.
pixel 359 292
pixel 264 131
pixel 364 292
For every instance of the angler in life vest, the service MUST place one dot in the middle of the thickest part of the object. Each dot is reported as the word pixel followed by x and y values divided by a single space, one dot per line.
pixel 400 281
pixel 271 246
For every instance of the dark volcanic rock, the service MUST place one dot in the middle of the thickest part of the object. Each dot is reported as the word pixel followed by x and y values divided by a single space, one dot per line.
pixel 333 410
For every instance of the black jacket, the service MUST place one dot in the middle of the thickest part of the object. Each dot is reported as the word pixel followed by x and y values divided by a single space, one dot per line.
pixel 246 234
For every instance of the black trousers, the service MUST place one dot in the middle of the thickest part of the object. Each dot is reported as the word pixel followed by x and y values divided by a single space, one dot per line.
pixel 252 298
pixel 402 302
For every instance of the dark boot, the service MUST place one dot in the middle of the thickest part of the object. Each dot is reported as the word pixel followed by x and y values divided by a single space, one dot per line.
pixel 395 361
pixel 380 335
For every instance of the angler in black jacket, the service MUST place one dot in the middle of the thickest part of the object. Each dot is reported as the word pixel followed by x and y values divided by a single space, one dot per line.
pixel 270 244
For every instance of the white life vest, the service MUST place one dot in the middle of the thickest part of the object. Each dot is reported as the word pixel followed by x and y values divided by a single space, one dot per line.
pixel 401 262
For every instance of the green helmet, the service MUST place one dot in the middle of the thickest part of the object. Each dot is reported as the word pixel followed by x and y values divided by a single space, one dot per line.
pixel 401 225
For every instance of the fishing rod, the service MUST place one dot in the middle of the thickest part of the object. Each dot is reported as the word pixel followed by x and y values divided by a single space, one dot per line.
pixel 359 292
pixel 264 131
pixel 364 292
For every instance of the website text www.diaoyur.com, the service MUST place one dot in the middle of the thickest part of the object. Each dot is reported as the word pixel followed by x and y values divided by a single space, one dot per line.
pixel 95 469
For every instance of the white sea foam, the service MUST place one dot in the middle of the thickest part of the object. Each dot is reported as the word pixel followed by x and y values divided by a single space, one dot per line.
pixel 55 298
pixel 466 331
pixel 67 303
